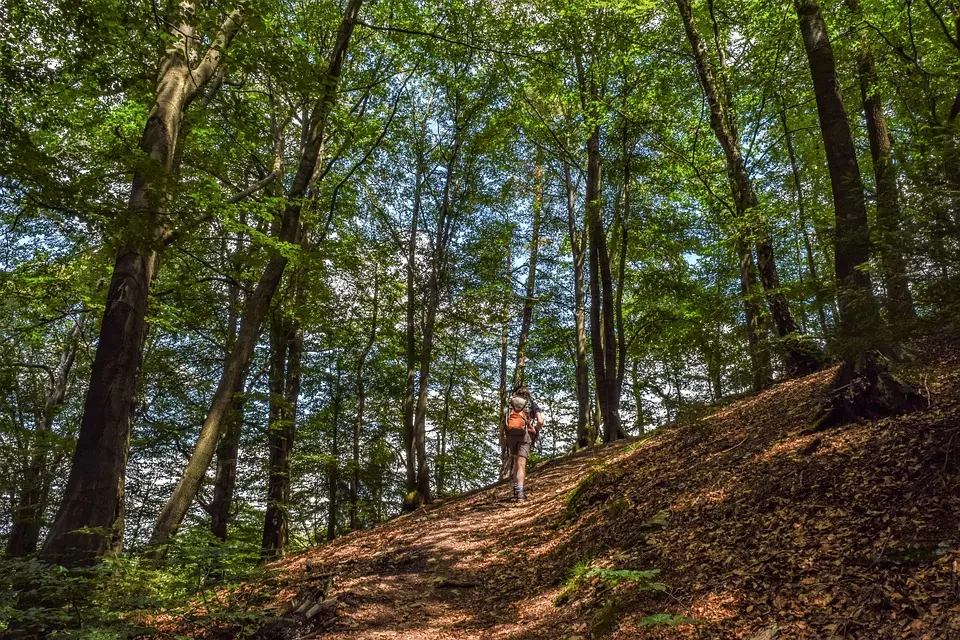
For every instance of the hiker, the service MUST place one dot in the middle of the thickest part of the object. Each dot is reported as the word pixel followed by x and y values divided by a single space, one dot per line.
pixel 523 421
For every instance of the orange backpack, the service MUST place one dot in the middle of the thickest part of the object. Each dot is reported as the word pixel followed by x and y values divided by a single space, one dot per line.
pixel 518 414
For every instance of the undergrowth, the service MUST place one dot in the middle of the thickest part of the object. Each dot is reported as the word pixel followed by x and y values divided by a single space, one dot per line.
pixel 121 596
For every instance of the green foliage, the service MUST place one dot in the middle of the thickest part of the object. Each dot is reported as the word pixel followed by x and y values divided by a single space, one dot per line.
pixel 665 620
pixel 584 572
pixel 116 598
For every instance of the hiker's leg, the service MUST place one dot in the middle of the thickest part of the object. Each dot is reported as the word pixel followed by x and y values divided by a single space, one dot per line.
pixel 521 473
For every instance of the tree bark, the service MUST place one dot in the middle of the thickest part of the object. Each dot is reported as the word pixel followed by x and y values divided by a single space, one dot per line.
pixel 333 479
pixel 624 240
pixel 888 242
pixel 361 405
pixel 505 467
pixel 445 427
pixel 258 303
pixel 585 436
pixel 286 349
pixel 859 317
pixel 409 402
pixel 225 481
pixel 35 483
pixel 88 516
pixel 760 367
pixel 799 360
pixel 602 333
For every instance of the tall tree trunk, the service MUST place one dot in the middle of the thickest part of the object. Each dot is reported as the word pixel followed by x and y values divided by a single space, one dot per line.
pixel 445 427
pixel 602 334
pixel 899 301
pixel 286 349
pixel 624 239
pixel 863 386
pixel 585 436
pixel 438 268
pixel 361 405
pixel 761 370
pixel 603 340
pixel 859 318
pixel 527 317
pixel 802 218
pixel 35 483
pixel 258 303
pixel 799 360
pixel 225 481
pixel 409 397
pixel 333 479
pixel 505 467
pixel 88 516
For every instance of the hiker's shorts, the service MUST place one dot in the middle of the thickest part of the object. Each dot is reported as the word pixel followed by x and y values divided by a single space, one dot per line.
pixel 518 443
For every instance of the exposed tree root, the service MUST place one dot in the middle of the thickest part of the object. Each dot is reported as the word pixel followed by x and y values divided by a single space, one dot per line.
pixel 865 388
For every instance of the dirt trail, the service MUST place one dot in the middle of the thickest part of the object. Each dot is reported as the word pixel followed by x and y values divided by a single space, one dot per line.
pixel 469 567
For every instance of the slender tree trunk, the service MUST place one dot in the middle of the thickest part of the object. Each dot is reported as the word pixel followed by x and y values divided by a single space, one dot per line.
pixel 603 336
pixel 89 512
pixel 527 318
pixel 438 266
pixel 799 360
pixel 585 436
pixel 802 216
pixel 624 241
pixel 505 469
pixel 899 301
pixel 35 483
pixel 286 349
pixel 361 405
pixel 445 427
pixel 761 369
pixel 229 448
pixel 258 304
pixel 863 385
pixel 640 422
pixel 409 398
pixel 333 480
pixel 225 481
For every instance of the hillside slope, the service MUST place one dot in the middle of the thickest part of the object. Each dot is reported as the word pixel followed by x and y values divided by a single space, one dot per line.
pixel 759 532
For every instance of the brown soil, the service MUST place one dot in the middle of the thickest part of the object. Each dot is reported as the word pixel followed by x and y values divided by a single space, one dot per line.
pixel 760 531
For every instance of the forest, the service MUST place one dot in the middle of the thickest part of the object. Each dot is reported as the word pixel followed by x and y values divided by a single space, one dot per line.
pixel 270 268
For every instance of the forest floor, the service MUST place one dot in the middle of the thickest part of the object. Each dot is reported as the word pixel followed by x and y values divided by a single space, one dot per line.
pixel 758 530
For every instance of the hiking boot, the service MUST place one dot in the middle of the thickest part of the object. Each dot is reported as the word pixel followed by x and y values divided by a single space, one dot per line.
pixel 519 495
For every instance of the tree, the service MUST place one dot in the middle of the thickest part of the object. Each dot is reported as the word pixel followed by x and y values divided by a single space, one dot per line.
pixel 898 299
pixel 257 305
pixel 800 360
pixel 862 386
pixel 87 522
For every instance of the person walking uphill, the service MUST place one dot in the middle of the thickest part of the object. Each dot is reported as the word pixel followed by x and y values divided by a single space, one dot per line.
pixel 522 423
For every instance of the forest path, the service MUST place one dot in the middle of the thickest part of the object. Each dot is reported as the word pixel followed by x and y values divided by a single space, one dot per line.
pixel 476 566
